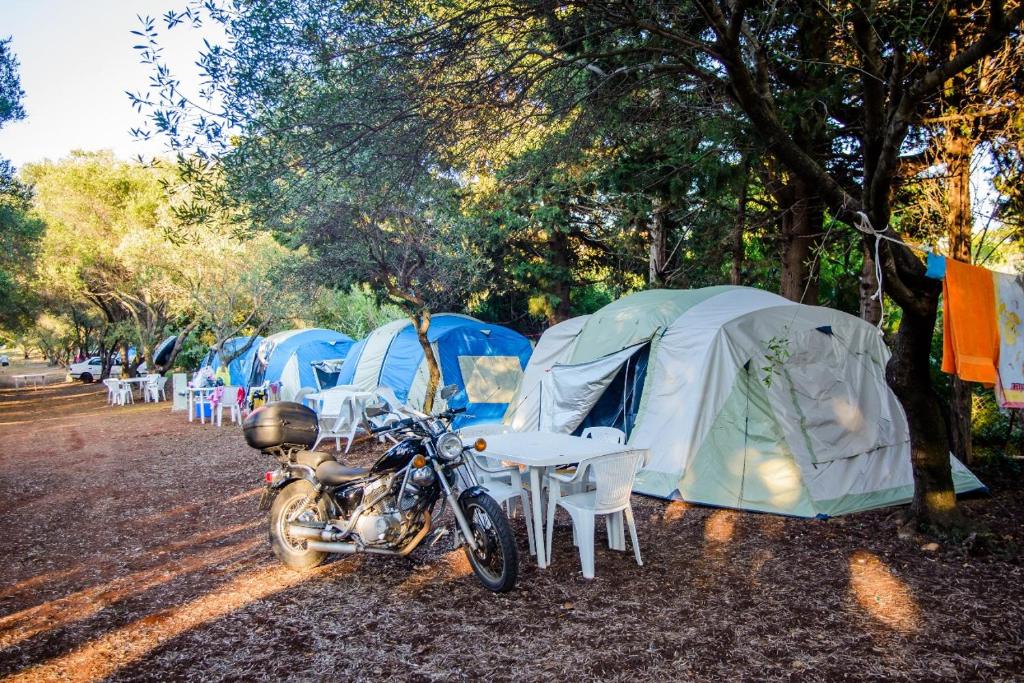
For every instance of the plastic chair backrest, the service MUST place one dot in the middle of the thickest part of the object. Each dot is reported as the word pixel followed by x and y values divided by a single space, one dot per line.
pixel 388 394
pixel 111 384
pixel 229 396
pixel 605 434
pixel 332 401
pixel 613 476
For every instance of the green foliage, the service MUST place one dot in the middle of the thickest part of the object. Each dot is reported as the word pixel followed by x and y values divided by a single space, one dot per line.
pixel 355 312
pixel 11 93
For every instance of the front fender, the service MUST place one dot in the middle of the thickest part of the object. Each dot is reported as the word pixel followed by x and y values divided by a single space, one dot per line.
pixel 472 492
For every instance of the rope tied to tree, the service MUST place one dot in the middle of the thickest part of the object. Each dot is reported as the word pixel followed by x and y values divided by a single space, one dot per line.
pixel 863 224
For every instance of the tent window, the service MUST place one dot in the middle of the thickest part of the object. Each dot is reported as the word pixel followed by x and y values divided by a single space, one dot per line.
pixel 326 373
pixel 620 403
pixel 490 379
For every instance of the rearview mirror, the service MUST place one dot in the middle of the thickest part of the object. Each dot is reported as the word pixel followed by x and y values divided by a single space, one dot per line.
pixel 449 391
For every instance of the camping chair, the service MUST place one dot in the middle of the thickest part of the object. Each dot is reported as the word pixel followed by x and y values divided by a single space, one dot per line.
pixel 229 400
pixel 610 434
pixel 112 386
pixel 339 417
pixel 124 393
pixel 613 478
pixel 151 388
pixel 505 485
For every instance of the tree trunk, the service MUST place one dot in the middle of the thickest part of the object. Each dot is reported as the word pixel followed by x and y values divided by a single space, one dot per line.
pixel 179 343
pixel 908 373
pixel 870 307
pixel 959 222
pixel 421 319
pixel 658 260
pixel 561 286
pixel 739 227
pixel 801 234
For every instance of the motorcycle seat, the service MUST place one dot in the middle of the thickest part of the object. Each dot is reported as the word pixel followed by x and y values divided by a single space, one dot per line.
pixel 312 459
pixel 333 473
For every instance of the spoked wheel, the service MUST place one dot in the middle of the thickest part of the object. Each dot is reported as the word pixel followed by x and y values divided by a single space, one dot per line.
pixel 294 504
pixel 496 560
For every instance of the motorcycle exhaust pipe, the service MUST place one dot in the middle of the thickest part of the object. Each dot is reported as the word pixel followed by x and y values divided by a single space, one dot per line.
pixel 313 543
pixel 333 547
pixel 307 532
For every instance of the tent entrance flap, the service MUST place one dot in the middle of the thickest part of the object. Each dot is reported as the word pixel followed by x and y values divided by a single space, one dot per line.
pixel 569 393
pixel 619 405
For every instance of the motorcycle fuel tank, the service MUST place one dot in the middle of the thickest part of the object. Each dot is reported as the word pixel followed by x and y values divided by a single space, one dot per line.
pixel 398 456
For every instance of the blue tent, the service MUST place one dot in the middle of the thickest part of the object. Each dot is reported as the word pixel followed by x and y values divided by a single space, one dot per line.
pixel 484 361
pixel 300 359
pixel 241 367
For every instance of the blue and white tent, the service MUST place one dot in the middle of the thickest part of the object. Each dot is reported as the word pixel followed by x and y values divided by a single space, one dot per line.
pixel 484 361
pixel 300 359
pixel 241 367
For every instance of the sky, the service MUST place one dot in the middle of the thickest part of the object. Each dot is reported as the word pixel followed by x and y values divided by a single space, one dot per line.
pixel 77 62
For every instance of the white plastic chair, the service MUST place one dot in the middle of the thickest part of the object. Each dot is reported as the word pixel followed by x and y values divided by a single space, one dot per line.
pixel 157 388
pixel 113 387
pixel 613 478
pixel 229 400
pixel 505 485
pixel 150 389
pixel 124 393
pixel 610 434
pixel 339 417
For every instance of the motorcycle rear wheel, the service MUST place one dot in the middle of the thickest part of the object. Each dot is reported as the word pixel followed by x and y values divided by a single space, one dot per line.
pixel 294 502
pixel 496 560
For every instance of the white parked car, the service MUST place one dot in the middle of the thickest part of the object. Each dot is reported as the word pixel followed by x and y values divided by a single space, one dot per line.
pixel 4 361
pixel 90 369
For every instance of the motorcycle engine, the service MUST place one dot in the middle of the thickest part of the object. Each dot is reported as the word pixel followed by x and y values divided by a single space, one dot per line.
pixel 378 526
pixel 383 523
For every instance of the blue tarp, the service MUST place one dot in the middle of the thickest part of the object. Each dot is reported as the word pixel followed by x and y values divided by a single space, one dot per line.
pixel 454 336
pixel 240 367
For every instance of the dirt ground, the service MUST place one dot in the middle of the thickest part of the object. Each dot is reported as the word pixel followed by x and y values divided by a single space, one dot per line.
pixel 133 550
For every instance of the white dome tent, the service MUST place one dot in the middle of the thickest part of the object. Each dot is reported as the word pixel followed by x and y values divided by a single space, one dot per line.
pixel 745 399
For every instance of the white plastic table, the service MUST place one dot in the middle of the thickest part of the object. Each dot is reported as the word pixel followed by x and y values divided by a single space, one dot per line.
pixel 539 451
pixel 36 378
pixel 200 395
pixel 132 382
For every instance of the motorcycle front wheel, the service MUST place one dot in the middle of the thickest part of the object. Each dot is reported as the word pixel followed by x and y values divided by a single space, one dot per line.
pixel 496 560
pixel 295 504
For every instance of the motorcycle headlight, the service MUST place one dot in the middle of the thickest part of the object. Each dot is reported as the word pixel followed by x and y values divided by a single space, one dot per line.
pixel 449 447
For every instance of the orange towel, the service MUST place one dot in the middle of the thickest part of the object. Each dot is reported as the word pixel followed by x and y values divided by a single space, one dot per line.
pixel 970 335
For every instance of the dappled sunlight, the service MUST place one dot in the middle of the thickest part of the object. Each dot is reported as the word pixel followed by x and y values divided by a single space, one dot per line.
pixel 674 512
pixel 54 614
pixel 783 481
pixel 847 414
pixel 101 657
pixel 883 595
pixel 455 565
pixel 39 579
pixel 245 494
pixel 212 535
pixel 418 579
pixel 720 526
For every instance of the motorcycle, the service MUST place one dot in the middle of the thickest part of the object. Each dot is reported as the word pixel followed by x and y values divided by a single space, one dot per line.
pixel 319 506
